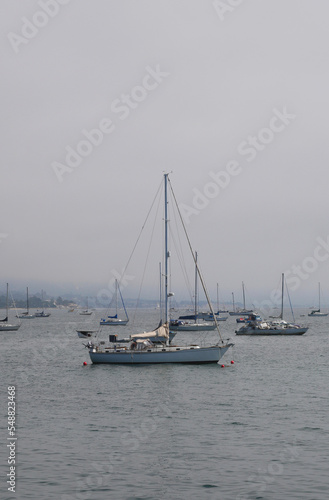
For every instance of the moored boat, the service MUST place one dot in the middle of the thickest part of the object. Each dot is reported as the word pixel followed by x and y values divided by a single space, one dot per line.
pixel 317 312
pixel 5 326
pixel 255 325
pixel 26 314
pixel 115 320
pixel 141 349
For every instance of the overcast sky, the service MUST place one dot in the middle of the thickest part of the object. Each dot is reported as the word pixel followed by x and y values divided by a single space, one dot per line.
pixel 100 97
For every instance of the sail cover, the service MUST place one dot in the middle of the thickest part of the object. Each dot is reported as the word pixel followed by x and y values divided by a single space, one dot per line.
pixel 161 331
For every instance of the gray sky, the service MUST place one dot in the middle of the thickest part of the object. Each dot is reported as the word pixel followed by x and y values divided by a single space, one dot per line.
pixel 194 87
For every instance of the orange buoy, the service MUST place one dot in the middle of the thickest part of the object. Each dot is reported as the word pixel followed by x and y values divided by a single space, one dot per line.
pixel 223 366
pixel 232 362
pixel 85 363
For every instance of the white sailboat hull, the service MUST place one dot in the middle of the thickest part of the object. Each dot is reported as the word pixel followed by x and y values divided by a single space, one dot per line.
pixel 270 331
pixel 318 314
pixel 193 327
pixel 155 355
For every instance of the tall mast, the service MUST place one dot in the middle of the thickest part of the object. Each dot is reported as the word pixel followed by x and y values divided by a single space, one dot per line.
pixel 198 270
pixel 166 312
pixel 281 315
pixel 27 299
pixel 196 287
pixel 116 297
pixel 233 302
pixel 319 298
pixel 160 294
pixel 7 305
pixel 244 298
pixel 217 299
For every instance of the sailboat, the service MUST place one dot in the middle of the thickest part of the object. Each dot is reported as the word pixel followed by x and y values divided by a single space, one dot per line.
pixel 181 325
pixel 220 311
pixel 208 316
pixel 317 312
pixel 26 315
pixel 142 350
pixel 240 312
pixel 114 320
pixel 86 312
pixel 256 326
pixel 42 314
pixel 4 325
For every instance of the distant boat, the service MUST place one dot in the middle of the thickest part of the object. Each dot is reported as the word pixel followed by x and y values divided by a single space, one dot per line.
pixel 255 325
pixel 317 312
pixel 26 315
pixel 86 334
pixel 192 324
pixel 187 326
pixel 42 314
pixel 4 325
pixel 220 311
pixel 86 311
pixel 243 311
pixel 208 316
pixel 114 320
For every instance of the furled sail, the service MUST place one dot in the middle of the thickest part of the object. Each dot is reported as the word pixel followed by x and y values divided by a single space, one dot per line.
pixel 161 331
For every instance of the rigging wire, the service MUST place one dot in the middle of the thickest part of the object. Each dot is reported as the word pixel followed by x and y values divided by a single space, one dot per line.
pixel 133 251
pixel 292 312
pixel 196 264
pixel 141 231
pixel 179 253
pixel 147 255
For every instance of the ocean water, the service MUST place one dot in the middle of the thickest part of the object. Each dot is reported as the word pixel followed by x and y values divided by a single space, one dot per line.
pixel 255 429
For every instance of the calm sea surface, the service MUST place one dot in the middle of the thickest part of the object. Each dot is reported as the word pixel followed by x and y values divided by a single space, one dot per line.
pixel 257 429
